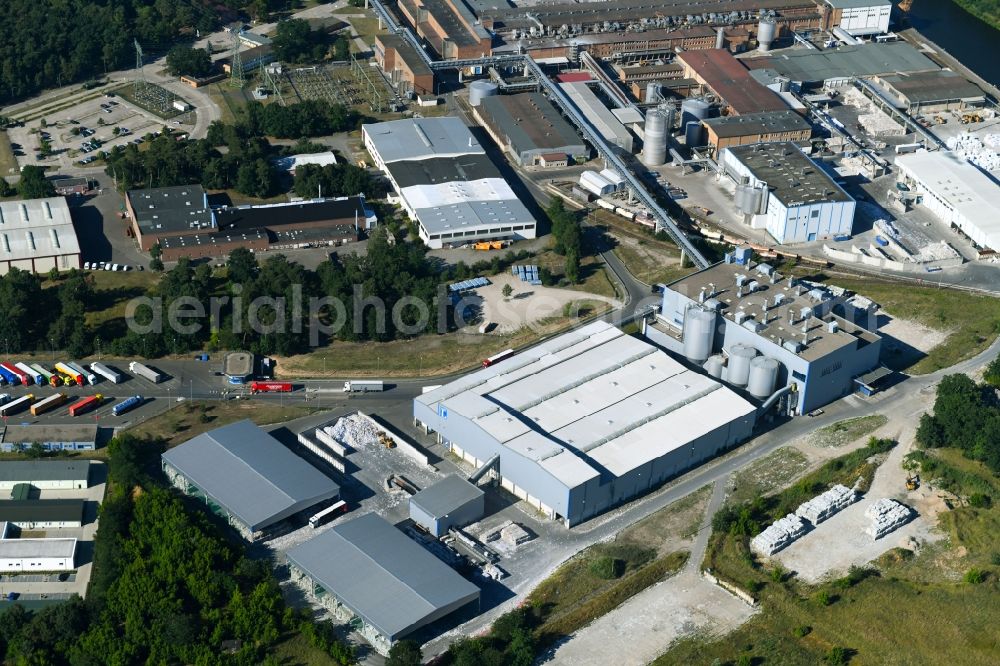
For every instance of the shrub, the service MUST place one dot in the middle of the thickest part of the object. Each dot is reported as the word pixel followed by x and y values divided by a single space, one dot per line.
pixel 974 576
pixel 837 655
pixel 778 574
pixel 980 500
pixel 802 630
pixel 823 598
pixel 607 567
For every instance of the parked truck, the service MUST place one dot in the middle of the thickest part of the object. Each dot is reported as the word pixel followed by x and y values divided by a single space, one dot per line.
pixel 14 406
pixel 145 372
pixel 66 371
pixel 85 405
pixel 4 398
pixel 127 404
pixel 87 374
pixel 7 376
pixel 13 375
pixel 363 386
pixel 270 387
pixel 45 404
pixel 49 378
pixel 31 373
pixel 107 372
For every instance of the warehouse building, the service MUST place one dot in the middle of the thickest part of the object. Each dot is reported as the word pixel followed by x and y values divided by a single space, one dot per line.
pixel 35 555
pixel 46 514
pixel 215 244
pixel 527 126
pixel 162 212
pixel 836 67
pixel 37 235
pixel 446 182
pixel 585 421
pixel 45 474
pixel 767 127
pixel 931 92
pixel 49 437
pixel 957 192
pixel 246 476
pixel 721 74
pixel 860 17
pixel 598 115
pixel 406 69
pixel 451 502
pixel 787 193
pixel 763 333
pixel 366 569
pixel 321 220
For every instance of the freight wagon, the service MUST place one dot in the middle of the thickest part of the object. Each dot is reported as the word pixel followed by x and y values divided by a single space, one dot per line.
pixel 270 387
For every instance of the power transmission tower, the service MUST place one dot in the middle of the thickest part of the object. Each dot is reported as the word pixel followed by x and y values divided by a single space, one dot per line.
pixel 272 80
pixel 140 76
pixel 236 77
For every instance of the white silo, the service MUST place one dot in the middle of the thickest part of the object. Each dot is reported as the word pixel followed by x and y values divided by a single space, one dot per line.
pixel 480 89
pixel 699 334
pixel 694 109
pixel 763 377
pixel 739 364
pixel 767 30
pixel 654 147
pixel 652 93
pixel 720 38
pixel 713 366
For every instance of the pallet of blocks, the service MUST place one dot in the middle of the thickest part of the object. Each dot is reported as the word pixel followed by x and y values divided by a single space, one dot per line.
pixel 886 515
pixel 778 535
pixel 823 506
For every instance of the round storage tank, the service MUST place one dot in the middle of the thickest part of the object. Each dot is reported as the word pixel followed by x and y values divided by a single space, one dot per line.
pixel 694 135
pixel 694 109
pixel 739 364
pixel 699 333
pixel 652 92
pixel 480 89
pixel 654 147
pixel 763 377
pixel 767 30
pixel 713 366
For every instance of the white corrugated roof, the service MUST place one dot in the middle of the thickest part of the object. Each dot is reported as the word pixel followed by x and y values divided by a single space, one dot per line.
pixel 36 228
pixel 458 191
pixel 421 138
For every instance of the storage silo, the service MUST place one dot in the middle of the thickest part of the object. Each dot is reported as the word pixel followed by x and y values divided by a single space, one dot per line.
pixel 739 364
pixel 767 30
pixel 652 93
pixel 720 38
pixel 699 334
pixel 763 377
pixel 713 366
pixel 654 147
pixel 480 89
pixel 694 109
pixel 694 134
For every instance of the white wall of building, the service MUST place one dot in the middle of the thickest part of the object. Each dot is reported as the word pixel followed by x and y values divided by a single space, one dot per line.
pixel 37 564
pixel 871 20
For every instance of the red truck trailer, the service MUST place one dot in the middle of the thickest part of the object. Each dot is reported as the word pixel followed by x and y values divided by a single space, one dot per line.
pixel 270 387
pixel 88 403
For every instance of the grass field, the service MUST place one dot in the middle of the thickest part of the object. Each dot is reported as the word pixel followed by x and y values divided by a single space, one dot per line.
pixel 593 277
pixel 650 260
pixel 767 474
pixel 296 650
pixel 844 432
pixel 190 419
pixel 366 28
pixel 8 163
pixel 112 291
pixel 678 520
pixel 973 320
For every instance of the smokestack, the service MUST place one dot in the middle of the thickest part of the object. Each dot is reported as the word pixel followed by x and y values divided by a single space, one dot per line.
pixel 701 296
pixel 791 317
pixel 711 289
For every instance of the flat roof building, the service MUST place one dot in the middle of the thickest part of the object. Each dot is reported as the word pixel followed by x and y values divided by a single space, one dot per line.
pixel 599 115
pixel 446 183
pixel 247 476
pixel 377 574
pixel 69 186
pixel 838 66
pixel 448 26
pixel 787 193
pixel 45 474
pixel 238 366
pixel 37 235
pixel 42 513
pixel 722 74
pixel 931 92
pixel 957 192
pixel 860 17
pixel 212 244
pixel 168 211
pixel 450 502
pixel 768 127
pixel 585 421
pixel 37 555
pixel 50 437
pixel 528 126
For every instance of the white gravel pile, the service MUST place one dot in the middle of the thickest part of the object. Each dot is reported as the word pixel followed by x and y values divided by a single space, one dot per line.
pixel 970 147
pixel 353 431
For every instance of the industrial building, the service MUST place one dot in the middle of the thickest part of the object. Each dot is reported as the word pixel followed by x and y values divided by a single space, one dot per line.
pixel 448 26
pixel 45 474
pixel 49 437
pixel 783 191
pixel 368 570
pixel 405 68
pixel 451 502
pixel 931 92
pixel 527 126
pixel 748 326
pixel 598 115
pixel 163 212
pixel 446 182
pixel 860 17
pixel 293 162
pixel 238 367
pixel 69 186
pixel 42 514
pixel 768 127
pixel 585 421
pixel 37 235
pixel 321 220
pixel 721 74
pixel 216 244
pixel 836 67
pixel 955 191
pixel 35 555
pixel 246 476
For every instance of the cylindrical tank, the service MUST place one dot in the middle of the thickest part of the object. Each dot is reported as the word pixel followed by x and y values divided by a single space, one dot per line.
pixel 652 92
pixel 767 29
pixel 739 364
pixel 480 89
pixel 740 198
pixel 654 147
pixel 671 113
pixel 699 333
pixel 763 377
pixel 694 109
pixel 694 134
pixel 720 38
pixel 713 366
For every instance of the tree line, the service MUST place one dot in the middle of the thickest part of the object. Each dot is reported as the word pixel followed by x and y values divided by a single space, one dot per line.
pixel 966 417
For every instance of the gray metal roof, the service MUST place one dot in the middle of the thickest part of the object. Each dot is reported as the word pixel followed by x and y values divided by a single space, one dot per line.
pixel 845 62
pixel 447 495
pixel 167 209
pixel 421 138
pixel 791 176
pixel 52 510
pixel 251 474
pixel 923 87
pixel 474 215
pixel 382 575
pixel 37 548
pixel 27 471
pixel 531 123
pixel 767 122
pixel 442 170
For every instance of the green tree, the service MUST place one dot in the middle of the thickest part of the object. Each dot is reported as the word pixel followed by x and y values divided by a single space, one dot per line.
pixel 404 653
pixel 295 41
pixel 6 189
pixel 184 60
pixel 507 291
pixel 34 184
pixel 992 373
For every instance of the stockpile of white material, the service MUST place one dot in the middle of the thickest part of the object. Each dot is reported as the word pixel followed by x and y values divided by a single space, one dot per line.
pixel 970 147
pixel 781 533
pixel 823 506
pixel 992 140
pixel 886 515
pixel 353 431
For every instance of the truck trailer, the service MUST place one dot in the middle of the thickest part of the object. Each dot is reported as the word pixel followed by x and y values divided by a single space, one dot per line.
pixel 31 373
pixel 88 375
pixel 108 373
pixel 45 404
pixel 66 371
pixel 127 404
pixel 7 376
pixel 85 405
pixel 145 372
pixel 270 387
pixel 48 377
pixel 14 406
pixel 13 375
pixel 363 386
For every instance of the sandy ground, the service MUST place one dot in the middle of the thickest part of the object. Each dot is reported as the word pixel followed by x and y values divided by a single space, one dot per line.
pixel 913 333
pixel 527 305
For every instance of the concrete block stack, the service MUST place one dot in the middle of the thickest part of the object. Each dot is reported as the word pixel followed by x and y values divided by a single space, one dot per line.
pixel 825 505
pixel 781 533
pixel 886 515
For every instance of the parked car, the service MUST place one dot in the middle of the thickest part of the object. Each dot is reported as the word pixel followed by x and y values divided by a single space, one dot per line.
pixel 86 265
